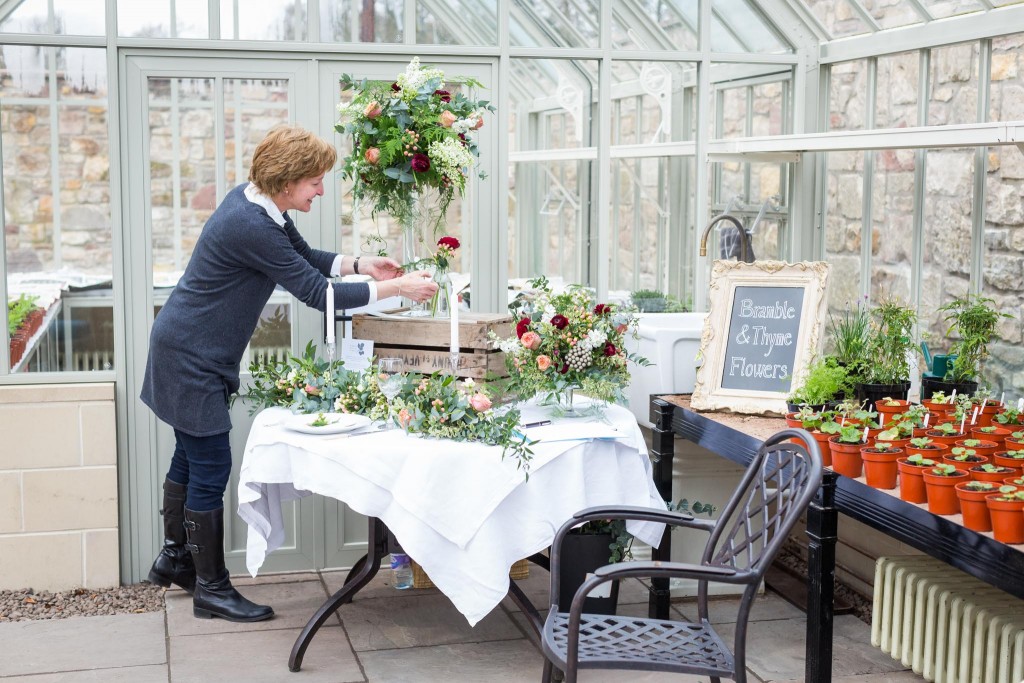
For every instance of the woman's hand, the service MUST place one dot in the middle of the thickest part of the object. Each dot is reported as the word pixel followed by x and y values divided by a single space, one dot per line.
pixel 379 267
pixel 417 286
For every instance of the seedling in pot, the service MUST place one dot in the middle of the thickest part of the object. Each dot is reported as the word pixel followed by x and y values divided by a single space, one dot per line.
pixel 1016 455
pixel 921 461
pixel 922 442
pixel 944 471
pixel 962 454
pixel 992 469
pixel 979 486
pixel 1010 494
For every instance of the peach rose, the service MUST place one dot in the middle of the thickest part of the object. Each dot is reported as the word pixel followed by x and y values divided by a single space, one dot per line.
pixel 447 119
pixel 479 123
pixel 372 155
pixel 531 340
pixel 543 363
pixel 372 110
pixel 480 402
pixel 311 390
pixel 404 418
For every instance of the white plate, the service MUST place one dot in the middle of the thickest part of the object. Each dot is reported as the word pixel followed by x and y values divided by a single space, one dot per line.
pixel 336 423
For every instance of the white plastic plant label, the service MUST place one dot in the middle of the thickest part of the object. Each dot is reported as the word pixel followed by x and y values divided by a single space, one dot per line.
pixel 602 591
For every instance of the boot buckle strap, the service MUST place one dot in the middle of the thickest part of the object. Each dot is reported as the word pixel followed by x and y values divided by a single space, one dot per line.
pixel 193 548
pixel 190 525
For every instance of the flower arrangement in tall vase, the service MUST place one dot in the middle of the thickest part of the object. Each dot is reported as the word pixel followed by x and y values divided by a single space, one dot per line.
pixel 412 147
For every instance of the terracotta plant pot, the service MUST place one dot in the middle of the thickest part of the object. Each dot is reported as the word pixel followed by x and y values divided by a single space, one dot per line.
pixel 894 443
pixel 823 446
pixel 1013 444
pixel 846 457
pixel 935 453
pixel 880 467
pixel 987 414
pixel 1003 460
pixel 974 508
pixel 1007 519
pixel 978 474
pixel 912 487
pixel 942 498
pixel 939 437
pixel 886 412
pixel 794 422
pixel 997 435
pixel 950 459
pixel 1014 481
pixel 983 448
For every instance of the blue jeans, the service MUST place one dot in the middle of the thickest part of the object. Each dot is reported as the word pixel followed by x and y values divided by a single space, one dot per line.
pixel 203 464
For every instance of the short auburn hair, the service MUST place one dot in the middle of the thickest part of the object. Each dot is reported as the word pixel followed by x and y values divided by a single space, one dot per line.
pixel 289 153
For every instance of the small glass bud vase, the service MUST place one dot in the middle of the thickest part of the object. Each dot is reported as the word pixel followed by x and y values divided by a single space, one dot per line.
pixel 440 306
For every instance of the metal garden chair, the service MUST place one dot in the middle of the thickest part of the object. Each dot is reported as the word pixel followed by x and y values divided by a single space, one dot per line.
pixel 774 491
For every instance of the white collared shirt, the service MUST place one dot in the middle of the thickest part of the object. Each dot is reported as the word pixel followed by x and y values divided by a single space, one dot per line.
pixel 253 194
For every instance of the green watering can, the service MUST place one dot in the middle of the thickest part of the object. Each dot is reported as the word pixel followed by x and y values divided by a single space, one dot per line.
pixel 938 364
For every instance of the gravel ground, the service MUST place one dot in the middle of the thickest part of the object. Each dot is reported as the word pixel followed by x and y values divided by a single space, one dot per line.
pixel 789 557
pixel 24 605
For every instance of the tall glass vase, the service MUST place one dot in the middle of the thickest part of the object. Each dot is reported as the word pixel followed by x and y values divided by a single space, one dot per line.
pixel 412 248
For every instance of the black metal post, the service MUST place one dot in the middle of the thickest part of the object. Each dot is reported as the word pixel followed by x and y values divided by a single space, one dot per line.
pixel 663 450
pixel 822 530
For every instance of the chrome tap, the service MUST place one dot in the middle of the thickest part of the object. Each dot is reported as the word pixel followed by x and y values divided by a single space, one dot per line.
pixel 714 221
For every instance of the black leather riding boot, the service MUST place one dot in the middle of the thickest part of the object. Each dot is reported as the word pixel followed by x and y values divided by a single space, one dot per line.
pixel 214 595
pixel 174 563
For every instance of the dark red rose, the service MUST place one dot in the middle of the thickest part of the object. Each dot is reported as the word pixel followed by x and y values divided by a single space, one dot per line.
pixel 565 369
pixel 449 242
pixel 395 87
pixel 462 136
pixel 609 349
pixel 420 162
pixel 522 327
pixel 602 309
pixel 560 321
pixel 444 95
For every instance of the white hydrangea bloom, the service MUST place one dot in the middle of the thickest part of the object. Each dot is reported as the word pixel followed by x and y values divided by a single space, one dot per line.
pixel 508 345
pixel 596 338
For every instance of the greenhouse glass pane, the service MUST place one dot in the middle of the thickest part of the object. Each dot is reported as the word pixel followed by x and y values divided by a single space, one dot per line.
pixel 650 103
pixel 56 185
pixel 954 84
pixel 893 14
pixel 263 19
pixel 897 90
pixel 838 17
pixel 655 25
pixel 769 106
pixel 892 224
pixel 547 218
pixel 1004 268
pixel 948 211
pixel 1005 3
pixel 70 17
pixel 552 103
pixel 844 226
pixel 192 19
pixel 345 21
pixel 940 9
pixel 457 22
pixel 734 113
pixel 144 19
pixel 1005 102
pixel 736 26
pixel 553 23
pixel 847 95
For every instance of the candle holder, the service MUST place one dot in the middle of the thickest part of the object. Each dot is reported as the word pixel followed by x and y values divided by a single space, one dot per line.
pixel 453 363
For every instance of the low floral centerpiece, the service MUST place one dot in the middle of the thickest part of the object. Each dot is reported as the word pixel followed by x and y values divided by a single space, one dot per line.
pixel 410 136
pixel 566 342
pixel 433 405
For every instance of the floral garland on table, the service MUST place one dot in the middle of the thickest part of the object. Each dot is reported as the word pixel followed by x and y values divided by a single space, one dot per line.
pixel 433 405
pixel 566 340
pixel 407 136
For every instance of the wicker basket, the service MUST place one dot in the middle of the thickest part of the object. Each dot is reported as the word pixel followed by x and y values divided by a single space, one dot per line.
pixel 519 570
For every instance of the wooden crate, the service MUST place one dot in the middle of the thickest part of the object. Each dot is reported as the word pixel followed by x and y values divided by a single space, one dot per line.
pixel 520 570
pixel 423 343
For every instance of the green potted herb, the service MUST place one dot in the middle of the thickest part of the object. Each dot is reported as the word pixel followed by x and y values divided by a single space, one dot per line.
pixel 991 473
pixel 649 301
pixel 891 345
pixel 972 320
pixel 973 504
pixel 880 464
pixel 1010 458
pixel 850 334
pixel 1005 507
pixel 845 447
pixel 939 482
pixel 823 382
pixel 911 469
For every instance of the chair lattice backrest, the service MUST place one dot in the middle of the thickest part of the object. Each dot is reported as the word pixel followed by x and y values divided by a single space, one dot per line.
pixel 773 493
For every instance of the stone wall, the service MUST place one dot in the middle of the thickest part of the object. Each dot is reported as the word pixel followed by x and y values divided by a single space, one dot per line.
pixel 58 487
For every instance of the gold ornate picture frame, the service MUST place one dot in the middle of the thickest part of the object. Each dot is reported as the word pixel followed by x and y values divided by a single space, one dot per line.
pixel 764 327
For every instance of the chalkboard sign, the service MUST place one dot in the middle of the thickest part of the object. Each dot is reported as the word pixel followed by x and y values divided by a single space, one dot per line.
pixel 761 347
pixel 762 331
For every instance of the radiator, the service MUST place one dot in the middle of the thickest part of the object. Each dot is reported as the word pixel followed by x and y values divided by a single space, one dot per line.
pixel 92 360
pixel 947 626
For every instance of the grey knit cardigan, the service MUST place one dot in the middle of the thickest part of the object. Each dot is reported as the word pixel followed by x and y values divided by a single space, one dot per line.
pixel 199 336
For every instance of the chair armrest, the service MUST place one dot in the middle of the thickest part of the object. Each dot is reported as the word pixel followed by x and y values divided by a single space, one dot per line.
pixel 683 570
pixel 641 514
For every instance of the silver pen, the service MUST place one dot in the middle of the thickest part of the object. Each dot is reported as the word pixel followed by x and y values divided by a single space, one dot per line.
pixel 536 424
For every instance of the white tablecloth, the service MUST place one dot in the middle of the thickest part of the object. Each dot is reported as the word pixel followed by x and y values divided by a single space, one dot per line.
pixel 461 511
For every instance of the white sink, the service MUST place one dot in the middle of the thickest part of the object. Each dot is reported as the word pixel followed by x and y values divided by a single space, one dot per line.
pixel 670 341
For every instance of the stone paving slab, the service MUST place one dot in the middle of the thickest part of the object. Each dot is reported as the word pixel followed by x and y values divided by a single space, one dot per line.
pixel 262 657
pixel 128 674
pixel 767 607
pixel 293 603
pixel 81 643
pixel 387 623
pixel 509 661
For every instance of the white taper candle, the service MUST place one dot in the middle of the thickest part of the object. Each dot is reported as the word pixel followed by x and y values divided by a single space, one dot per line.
pixel 329 312
pixel 453 317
